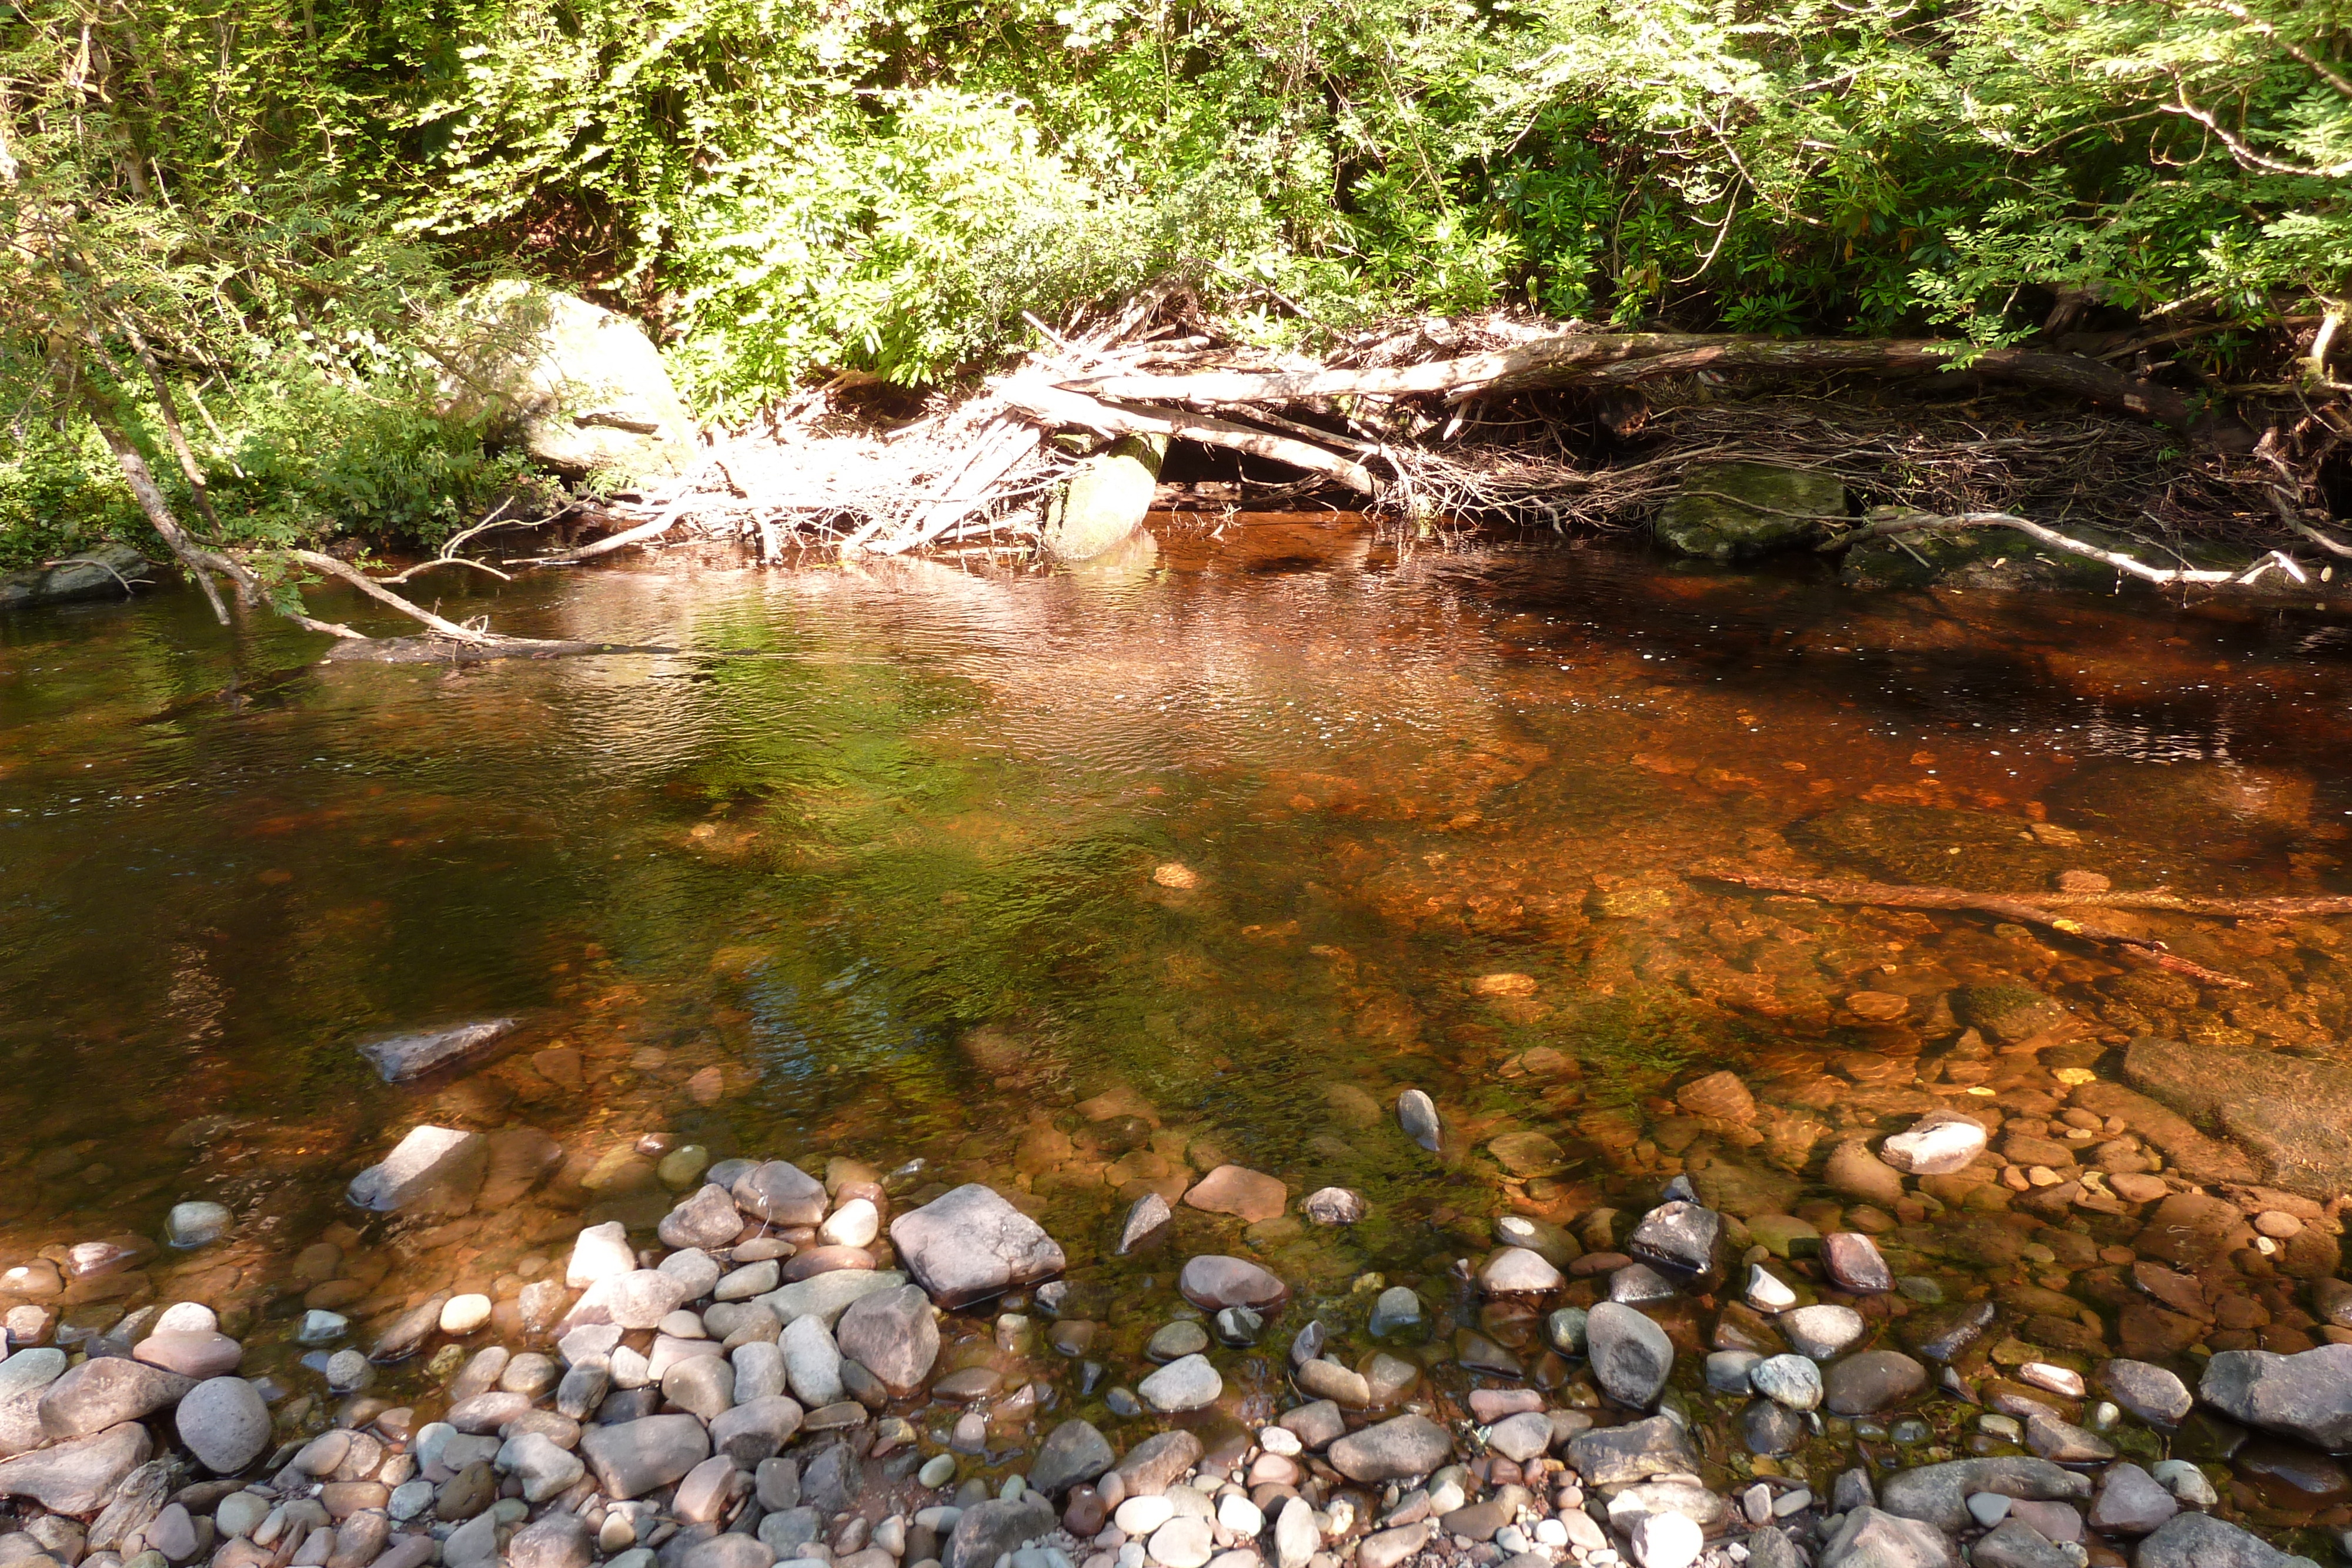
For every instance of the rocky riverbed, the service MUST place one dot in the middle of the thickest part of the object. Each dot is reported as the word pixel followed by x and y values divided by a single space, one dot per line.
pixel 2068 1329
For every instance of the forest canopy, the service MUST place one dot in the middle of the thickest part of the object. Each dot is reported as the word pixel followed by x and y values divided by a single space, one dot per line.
pixel 258 201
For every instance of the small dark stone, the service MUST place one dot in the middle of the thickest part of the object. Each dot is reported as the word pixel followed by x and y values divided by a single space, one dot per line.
pixel 1635 1452
pixel 1854 1265
pixel 1768 1427
pixel 1872 1381
pixel 1681 1238
pixel 1946 1335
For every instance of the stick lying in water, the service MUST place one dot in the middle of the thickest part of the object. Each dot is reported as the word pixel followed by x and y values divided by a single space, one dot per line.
pixel 1893 522
pixel 2227 908
pixel 2008 906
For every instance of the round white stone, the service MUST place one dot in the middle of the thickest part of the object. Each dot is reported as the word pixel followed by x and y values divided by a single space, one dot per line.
pixel 463 1314
pixel 855 1224
pixel 1139 1516
pixel 1667 1540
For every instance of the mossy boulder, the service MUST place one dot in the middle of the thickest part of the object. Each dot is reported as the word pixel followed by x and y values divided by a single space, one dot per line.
pixel 108 571
pixel 1994 559
pixel 1736 511
pixel 578 388
pixel 1984 559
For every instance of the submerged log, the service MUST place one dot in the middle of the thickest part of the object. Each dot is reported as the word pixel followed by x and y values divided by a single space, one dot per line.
pixel 2007 906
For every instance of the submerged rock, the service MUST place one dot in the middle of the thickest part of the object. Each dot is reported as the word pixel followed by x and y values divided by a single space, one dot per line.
pixel 1938 1143
pixel 1736 511
pixel 432 1167
pixel 400 1057
pixel 1147 1221
pixel 1213 1280
pixel 1247 1194
pixel 1417 1114
pixel 2292 1113
pixel 196 1224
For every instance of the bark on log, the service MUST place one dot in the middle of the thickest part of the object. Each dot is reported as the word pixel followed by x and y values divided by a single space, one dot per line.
pixel 2005 906
pixel 1059 406
pixel 1620 359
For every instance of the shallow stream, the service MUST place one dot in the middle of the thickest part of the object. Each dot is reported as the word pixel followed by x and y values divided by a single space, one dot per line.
pixel 1082 884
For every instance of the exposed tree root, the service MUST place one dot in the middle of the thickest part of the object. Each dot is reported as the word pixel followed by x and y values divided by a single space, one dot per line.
pixel 2005 906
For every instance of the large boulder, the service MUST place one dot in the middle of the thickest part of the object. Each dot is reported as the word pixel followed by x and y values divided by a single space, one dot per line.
pixel 1733 512
pixel 894 1335
pixel 1105 499
pixel 1938 1494
pixel 1405 1446
pixel 106 1392
pixel 2306 1396
pixel 224 1423
pixel 1634 1452
pixel 987 1531
pixel 633 1458
pixel 1073 1452
pixel 970 1244
pixel 80 1476
pixel 2291 1113
pixel 580 387
pixel 1630 1356
pixel 105 571
pixel 1870 1539
pixel 2201 1541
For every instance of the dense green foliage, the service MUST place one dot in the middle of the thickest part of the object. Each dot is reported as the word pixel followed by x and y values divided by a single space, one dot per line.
pixel 786 188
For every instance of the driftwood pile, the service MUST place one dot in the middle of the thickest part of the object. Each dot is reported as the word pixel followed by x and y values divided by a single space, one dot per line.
pixel 1501 420
pixel 1488 419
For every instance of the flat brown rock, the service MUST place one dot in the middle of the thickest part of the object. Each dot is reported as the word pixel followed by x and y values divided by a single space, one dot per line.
pixel 2193 1154
pixel 1252 1196
pixel 2294 1115
pixel 1213 1281
pixel 1720 1094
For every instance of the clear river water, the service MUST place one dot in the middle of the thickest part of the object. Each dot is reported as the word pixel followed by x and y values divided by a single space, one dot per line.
pixel 1084 885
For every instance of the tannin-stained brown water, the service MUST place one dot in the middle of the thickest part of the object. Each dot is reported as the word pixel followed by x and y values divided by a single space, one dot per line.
pixel 1084 884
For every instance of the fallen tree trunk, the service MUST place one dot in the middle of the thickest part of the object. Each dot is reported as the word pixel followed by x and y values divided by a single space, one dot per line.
pixel 1060 406
pixel 1622 359
pixel 2005 906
